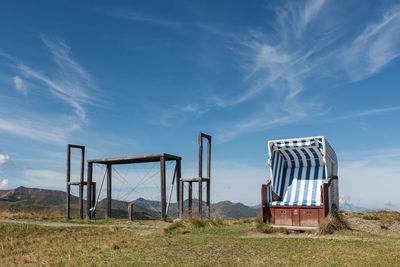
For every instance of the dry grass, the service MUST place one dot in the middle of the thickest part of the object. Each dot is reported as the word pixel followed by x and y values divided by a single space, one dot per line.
pixel 210 243
pixel 333 223
pixel 266 228
pixel 30 215
pixel 185 226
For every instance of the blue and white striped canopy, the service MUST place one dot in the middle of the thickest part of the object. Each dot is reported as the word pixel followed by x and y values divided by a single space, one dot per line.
pixel 298 171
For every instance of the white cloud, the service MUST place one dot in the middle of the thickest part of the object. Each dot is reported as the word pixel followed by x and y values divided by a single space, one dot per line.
pixel 4 158
pixel 20 85
pixel 4 184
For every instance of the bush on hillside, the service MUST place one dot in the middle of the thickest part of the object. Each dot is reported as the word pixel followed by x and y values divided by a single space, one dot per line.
pixel 332 223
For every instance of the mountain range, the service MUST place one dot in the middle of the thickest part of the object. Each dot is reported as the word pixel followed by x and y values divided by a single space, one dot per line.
pixel 52 202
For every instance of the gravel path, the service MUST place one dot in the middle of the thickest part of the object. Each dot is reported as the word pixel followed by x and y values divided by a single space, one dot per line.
pixel 60 224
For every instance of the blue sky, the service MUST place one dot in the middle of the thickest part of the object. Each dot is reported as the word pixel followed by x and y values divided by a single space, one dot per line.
pixel 131 78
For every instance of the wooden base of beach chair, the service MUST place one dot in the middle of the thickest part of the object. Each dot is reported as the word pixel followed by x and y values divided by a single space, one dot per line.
pixel 296 215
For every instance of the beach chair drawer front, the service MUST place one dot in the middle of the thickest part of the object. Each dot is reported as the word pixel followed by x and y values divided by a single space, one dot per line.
pixel 283 216
pixel 309 217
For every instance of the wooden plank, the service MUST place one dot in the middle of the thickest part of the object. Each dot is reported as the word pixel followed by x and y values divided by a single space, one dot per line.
pixel 109 174
pixel 308 217
pixel 136 159
pixel 163 188
pixel 190 199
pixel 200 205
pixel 76 146
pixel 264 202
pixel 93 198
pixel 68 179
pixel 77 183
pixel 81 180
pixel 179 196
pixel 194 179
pixel 209 177
pixel 283 216
pixel 89 190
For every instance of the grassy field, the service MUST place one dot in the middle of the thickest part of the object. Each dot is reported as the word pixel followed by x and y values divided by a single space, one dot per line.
pixel 193 243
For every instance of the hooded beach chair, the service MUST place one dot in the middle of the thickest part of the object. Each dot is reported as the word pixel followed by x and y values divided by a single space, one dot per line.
pixel 304 185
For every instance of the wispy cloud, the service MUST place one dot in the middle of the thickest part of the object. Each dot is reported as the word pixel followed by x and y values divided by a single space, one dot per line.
pixel 4 158
pixel 369 112
pixel 55 132
pixel 136 16
pixel 70 82
pixel 169 115
pixel 375 47
pixel 20 85
pixel 304 50
pixel 67 81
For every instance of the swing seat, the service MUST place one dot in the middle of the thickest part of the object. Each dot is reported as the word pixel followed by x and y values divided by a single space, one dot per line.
pixel 300 194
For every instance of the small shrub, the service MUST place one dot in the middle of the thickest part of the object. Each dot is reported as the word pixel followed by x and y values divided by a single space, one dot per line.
pixel 332 223
pixel 197 222
pixel 217 221
pixel 173 227
pixel 370 217
pixel 115 246
pixel 185 226
pixel 265 228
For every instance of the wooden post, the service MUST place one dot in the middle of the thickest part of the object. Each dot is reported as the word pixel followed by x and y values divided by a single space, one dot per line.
pixel 190 200
pixel 89 190
pixel 201 175
pixel 209 177
pixel 109 190
pixel 68 190
pixel 163 188
pixel 181 214
pixel 130 212
pixel 93 201
pixel 179 197
pixel 81 183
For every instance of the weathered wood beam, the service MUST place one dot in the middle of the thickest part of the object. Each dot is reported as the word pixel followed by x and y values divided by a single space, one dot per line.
pixel 163 188
pixel 109 190
pixel 68 189
pixel 89 190
pixel 190 200
pixel 209 177
pixel 81 184
pixel 200 175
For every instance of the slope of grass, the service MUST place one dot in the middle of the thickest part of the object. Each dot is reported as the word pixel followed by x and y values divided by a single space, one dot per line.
pixel 205 244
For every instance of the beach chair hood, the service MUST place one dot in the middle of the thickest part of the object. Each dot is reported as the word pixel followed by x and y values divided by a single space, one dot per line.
pixel 298 169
